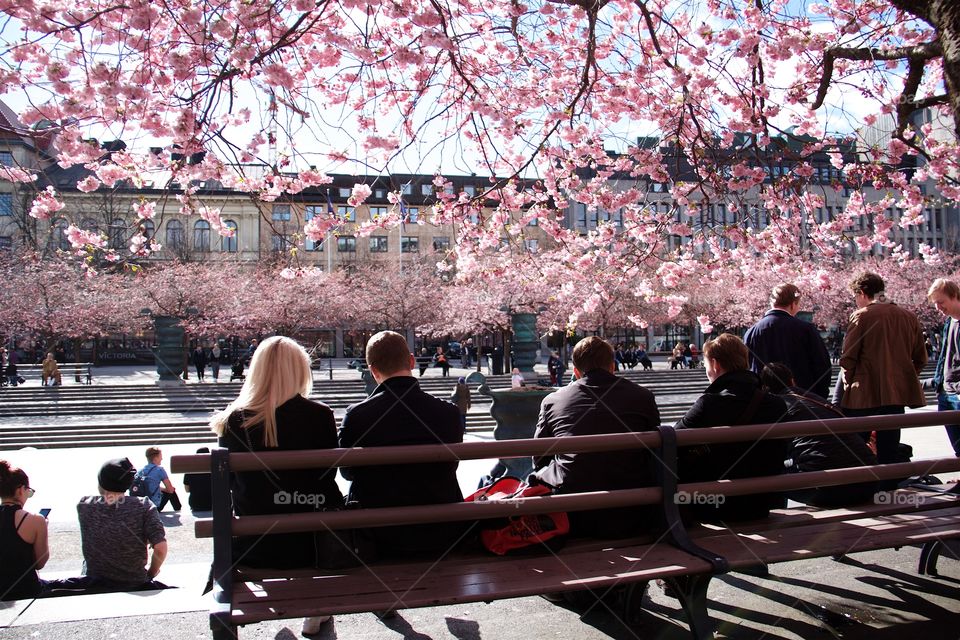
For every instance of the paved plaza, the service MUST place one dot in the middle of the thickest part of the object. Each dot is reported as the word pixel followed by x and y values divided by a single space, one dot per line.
pixel 869 595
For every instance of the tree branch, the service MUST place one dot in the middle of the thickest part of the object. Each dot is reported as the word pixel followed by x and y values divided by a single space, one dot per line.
pixel 920 53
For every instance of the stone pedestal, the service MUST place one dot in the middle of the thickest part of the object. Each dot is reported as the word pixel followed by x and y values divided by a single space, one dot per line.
pixel 171 351
pixel 525 344
pixel 516 412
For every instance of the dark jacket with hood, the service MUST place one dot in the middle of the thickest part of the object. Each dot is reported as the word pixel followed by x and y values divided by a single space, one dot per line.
pixel 736 397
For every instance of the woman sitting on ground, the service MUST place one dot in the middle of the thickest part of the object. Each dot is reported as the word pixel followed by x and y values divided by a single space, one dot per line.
pixel 272 413
pixel 819 453
pixel 734 397
pixel 23 537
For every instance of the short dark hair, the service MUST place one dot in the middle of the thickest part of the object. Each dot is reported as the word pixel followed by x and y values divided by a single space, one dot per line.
pixel 867 283
pixel 776 377
pixel 783 295
pixel 152 452
pixel 948 287
pixel 593 353
pixel 728 351
pixel 388 352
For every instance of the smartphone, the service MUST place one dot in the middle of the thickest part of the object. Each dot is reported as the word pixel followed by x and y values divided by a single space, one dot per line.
pixel 45 512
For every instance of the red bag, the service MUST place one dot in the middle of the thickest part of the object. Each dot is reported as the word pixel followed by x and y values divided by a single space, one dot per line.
pixel 502 536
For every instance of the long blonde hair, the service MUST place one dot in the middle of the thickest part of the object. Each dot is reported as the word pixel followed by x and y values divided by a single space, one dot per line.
pixel 279 370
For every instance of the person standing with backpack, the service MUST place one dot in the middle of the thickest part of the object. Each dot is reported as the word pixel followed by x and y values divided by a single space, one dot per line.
pixel 153 482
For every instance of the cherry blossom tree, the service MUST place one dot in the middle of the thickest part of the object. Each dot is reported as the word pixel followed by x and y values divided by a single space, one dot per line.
pixel 708 103
pixel 52 301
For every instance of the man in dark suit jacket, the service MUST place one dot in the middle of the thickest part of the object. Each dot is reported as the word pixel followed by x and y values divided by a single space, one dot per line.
pixel 398 412
pixel 781 337
pixel 598 402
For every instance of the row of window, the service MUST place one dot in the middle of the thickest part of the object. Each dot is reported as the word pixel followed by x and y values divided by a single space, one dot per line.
pixel 117 234
pixel 377 244
pixel 282 212
pixel 202 236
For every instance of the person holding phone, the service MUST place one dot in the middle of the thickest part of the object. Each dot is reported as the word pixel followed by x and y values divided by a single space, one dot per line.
pixel 23 537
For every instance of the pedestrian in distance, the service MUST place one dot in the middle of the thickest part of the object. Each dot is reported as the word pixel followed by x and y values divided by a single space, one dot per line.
pixel 199 358
pixel 215 354
pixel 423 361
pixel 644 359
pixel 461 398
pixel 944 294
pixel 553 365
pixel 50 373
pixel 440 360
pixel 677 361
pixel 236 371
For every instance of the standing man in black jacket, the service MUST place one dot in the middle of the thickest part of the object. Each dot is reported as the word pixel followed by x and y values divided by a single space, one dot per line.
pixel 398 412
pixel 598 402
pixel 781 337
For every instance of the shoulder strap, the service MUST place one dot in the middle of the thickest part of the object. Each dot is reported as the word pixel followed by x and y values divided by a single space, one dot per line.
pixel 751 409
pixel 22 520
pixel 823 405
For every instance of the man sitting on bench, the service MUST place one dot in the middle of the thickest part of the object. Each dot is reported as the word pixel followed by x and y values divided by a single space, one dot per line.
pixel 398 412
pixel 598 402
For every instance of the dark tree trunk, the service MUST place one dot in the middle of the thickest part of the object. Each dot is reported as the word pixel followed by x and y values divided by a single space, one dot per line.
pixel 944 16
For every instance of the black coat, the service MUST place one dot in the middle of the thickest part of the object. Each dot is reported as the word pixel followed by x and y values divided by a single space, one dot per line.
pixel 599 403
pixel 818 453
pixel 725 403
pixel 301 424
pixel 780 337
pixel 398 412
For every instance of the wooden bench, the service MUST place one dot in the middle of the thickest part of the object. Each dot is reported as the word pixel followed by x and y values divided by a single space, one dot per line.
pixel 82 371
pixel 687 559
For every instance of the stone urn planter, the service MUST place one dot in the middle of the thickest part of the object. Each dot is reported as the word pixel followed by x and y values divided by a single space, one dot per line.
pixel 171 351
pixel 516 412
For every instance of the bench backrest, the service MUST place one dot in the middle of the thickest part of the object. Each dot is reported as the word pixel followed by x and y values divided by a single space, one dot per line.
pixel 222 463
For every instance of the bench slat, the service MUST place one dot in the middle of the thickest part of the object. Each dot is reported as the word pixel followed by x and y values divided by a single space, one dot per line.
pixel 458 580
pixel 452 582
pixel 819 540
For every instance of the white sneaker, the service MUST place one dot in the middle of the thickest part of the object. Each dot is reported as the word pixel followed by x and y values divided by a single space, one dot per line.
pixel 311 626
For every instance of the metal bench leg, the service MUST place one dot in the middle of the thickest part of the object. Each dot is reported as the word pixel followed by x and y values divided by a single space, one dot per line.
pixel 633 602
pixel 222 627
pixel 928 558
pixel 931 552
pixel 692 593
